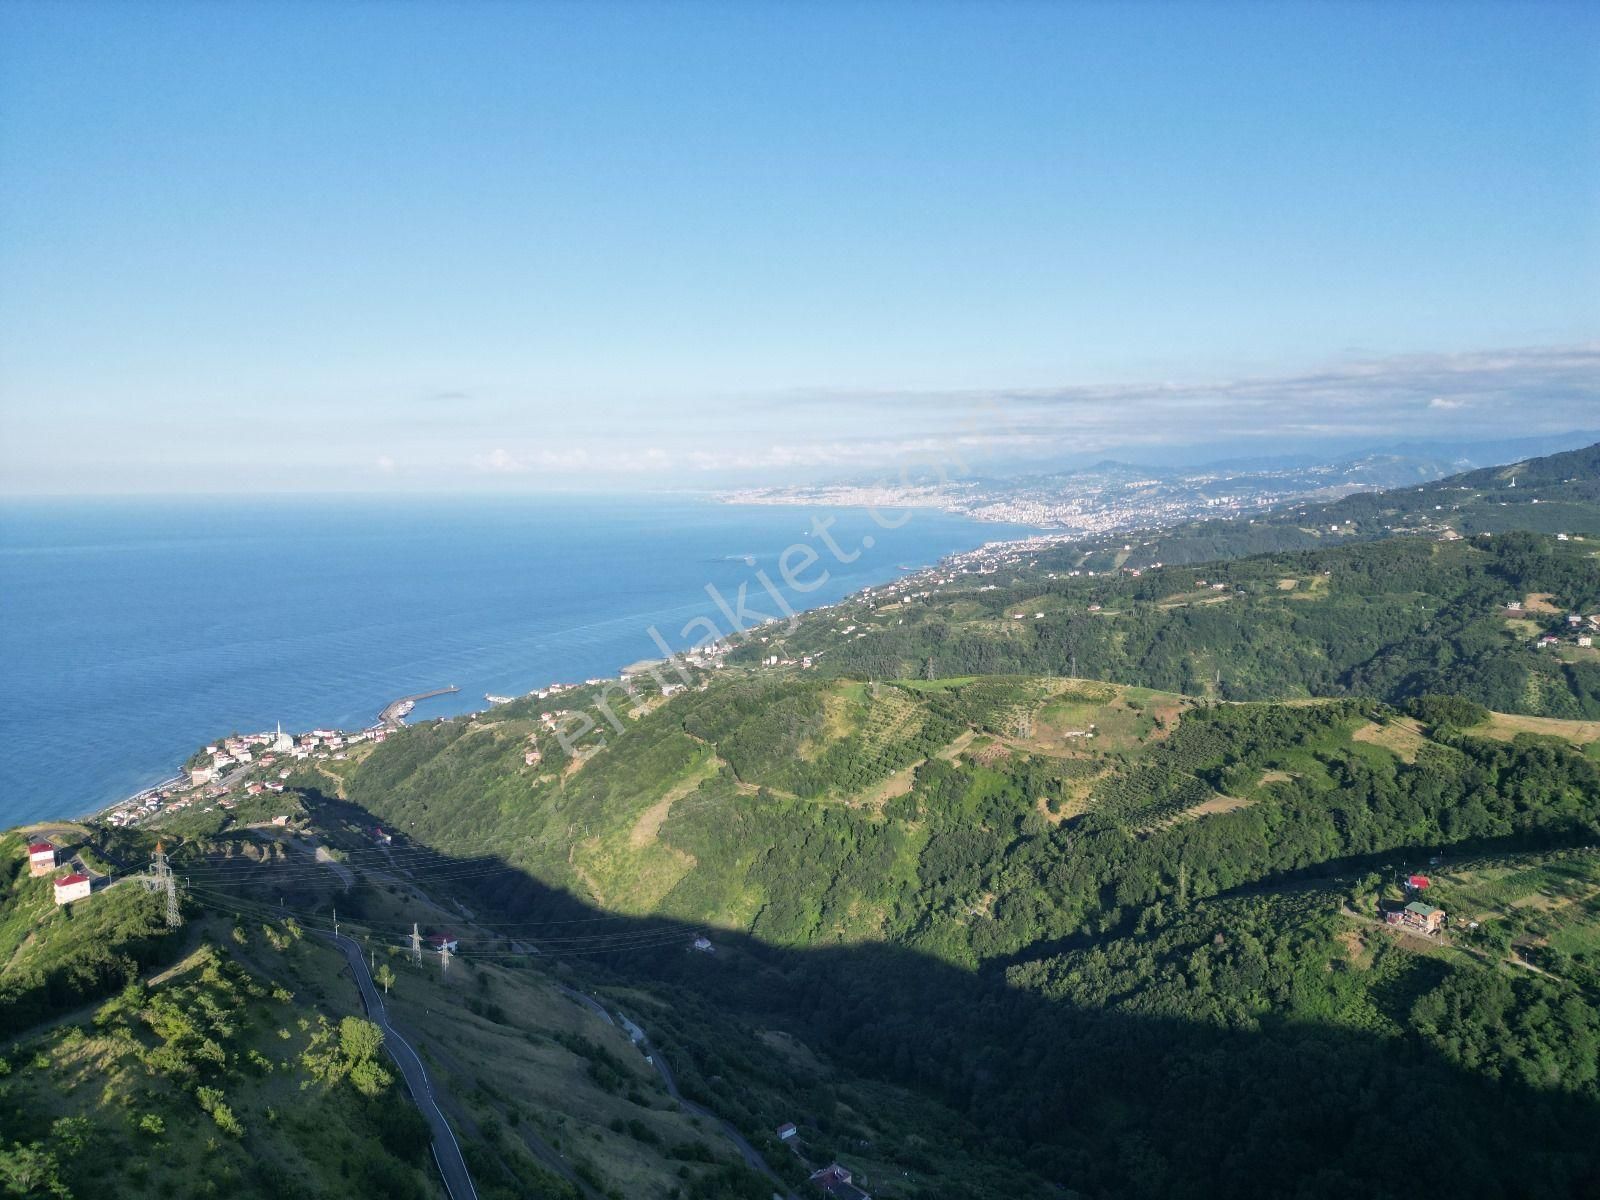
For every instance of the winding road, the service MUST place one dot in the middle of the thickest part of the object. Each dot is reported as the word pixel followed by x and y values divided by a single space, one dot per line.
pixel 749 1153
pixel 446 1150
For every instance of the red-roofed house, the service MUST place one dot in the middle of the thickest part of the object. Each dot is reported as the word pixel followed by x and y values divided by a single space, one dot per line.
pixel 444 941
pixel 73 887
pixel 41 858
pixel 1418 882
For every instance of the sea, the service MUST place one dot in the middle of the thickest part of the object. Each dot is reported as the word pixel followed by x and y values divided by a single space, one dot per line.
pixel 133 631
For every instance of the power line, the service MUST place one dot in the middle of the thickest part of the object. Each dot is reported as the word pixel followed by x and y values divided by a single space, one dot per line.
pixel 574 944
pixel 397 855
pixel 215 884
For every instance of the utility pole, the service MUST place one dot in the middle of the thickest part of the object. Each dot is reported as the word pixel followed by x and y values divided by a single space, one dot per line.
pixel 336 922
pixel 159 879
pixel 416 945
pixel 444 959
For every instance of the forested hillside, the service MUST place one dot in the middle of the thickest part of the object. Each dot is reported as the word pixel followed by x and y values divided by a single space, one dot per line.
pixel 1392 619
pixel 1046 845
pixel 1056 938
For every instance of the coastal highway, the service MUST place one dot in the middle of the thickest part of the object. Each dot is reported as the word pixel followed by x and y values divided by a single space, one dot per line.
pixel 446 1150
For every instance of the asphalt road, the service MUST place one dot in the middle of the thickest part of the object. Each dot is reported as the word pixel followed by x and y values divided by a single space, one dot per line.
pixel 446 1150
pixel 751 1155
pixel 308 845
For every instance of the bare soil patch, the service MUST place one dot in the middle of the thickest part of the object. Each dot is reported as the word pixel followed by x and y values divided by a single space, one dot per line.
pixel 1402 737
pixel 1206 808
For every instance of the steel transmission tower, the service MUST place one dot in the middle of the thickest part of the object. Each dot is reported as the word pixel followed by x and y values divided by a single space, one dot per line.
pixel 159 879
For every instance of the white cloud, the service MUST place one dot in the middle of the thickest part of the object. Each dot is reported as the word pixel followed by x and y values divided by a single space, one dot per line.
pixel 1400 396
pixel 386 464
pixel 1457 396
pixel 499 461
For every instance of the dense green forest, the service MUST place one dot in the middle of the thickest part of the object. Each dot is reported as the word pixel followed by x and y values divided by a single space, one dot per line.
pixel 1392 619
pixel 1019 922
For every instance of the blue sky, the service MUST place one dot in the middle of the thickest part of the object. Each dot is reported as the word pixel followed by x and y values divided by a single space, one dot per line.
pixel 312 246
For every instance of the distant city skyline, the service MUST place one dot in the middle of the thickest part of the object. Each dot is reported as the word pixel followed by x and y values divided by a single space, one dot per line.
pixel 482 247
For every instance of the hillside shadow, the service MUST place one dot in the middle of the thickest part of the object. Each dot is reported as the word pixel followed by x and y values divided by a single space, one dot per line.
pixel 1097 1102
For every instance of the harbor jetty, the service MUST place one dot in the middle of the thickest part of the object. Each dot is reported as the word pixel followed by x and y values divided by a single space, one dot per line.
pixel 394 714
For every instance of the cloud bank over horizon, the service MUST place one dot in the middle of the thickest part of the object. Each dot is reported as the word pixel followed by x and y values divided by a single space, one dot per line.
pixel 502 438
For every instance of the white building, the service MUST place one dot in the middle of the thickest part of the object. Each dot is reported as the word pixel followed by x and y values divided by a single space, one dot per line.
pixel 41 858
pixel 73 887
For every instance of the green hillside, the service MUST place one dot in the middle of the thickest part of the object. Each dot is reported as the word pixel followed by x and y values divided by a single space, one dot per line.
pixel 1050 939
pixel 1555 494
pixel 219 1082
pixel 54 959
pixel 779 807
pixel 1393 619
pixel 1036 883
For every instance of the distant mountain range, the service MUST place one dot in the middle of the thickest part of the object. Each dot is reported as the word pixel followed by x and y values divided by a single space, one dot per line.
pixel 1110 495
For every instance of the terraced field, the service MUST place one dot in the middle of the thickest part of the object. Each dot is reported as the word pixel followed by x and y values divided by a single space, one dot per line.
pixel 1506 726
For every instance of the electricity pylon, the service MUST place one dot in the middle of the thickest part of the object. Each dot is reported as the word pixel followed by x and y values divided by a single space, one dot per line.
pixel 159 879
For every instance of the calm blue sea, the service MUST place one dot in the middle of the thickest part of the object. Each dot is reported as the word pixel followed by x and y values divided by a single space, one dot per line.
pixel 133 631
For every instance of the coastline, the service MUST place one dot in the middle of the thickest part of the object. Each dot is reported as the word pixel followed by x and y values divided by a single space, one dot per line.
pixel 893 568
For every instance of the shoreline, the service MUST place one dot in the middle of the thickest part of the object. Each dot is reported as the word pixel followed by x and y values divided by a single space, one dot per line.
pixel 892 573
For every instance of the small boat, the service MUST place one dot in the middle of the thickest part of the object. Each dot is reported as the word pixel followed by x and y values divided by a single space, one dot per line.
pixel 498 699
